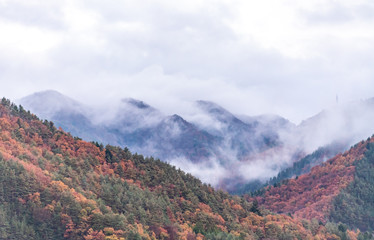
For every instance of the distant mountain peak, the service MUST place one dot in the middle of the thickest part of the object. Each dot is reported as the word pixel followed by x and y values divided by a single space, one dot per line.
pixel 177 118
pixel 50 92
pixel 216 111
pixel 210 106
pixel 50 101
pixel 137 103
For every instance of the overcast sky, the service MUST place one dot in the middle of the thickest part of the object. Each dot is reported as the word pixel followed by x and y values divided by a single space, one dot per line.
pixel 252 57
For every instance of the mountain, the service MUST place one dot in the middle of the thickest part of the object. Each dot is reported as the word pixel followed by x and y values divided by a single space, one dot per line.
pixel 235 153
pixel 172 137
pixel 133 124
pixel 350 122
pixel 132 113
pixel 243 138
pixel 50 102
pixel 55 186
pixel 316 139
pixel 302 166
pixel 192 145
pixel 339 190
pixel 65 113
pixel 270 126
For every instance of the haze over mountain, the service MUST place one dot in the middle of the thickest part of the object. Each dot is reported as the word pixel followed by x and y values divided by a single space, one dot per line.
pixel 249 96
pixel 215 145
pixel 251 57
pixel 350 122
pixel 56 186
pixel 66 113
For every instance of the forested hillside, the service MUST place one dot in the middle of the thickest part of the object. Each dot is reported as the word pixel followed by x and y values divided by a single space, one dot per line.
pixel 56 186
pixel 209 136
pixel 339 190
pixel 303 166
pixel 355 204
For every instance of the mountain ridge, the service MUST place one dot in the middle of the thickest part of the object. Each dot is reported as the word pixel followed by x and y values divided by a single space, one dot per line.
pixel 144 129
pixel 56 186
pixel 217 138
pixel 320 194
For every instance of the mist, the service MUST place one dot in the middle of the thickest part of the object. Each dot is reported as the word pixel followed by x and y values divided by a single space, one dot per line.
pixel 170 54
pixel 343 125
pixel 270 67
pixel 220 148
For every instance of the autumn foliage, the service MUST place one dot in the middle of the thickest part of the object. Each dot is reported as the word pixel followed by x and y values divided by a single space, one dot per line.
pixel 56 186
pixel 311 195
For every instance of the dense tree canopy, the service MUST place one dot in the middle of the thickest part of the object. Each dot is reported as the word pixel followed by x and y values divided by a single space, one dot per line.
pixel 56 186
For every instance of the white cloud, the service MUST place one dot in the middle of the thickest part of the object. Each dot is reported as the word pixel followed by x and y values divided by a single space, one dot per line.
pixel 287 57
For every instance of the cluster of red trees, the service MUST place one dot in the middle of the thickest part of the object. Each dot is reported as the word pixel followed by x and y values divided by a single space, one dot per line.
pixel 310 195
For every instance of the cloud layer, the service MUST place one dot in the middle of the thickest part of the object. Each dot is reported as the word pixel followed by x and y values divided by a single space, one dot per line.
pixel 286 57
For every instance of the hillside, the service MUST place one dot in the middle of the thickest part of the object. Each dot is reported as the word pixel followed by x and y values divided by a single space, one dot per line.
pixel 212 143
pixel 315 140
pixel 339 190
pixel 211 138
pixel 55 186
pixel 66 113
pixel 302 166
pixel 141 127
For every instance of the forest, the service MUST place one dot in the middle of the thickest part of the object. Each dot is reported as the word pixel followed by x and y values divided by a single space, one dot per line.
pixel 57 186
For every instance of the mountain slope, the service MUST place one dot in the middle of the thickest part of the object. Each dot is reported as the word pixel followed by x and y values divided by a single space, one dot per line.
pixel 65 113
pixel 217 146
pixel 320 137
pixel 302 166
pixel 172 137
pixel 350 122
pixel 189 144
pixel 132 113
pixel 135 124
pixel 339 189
pixel 354 205
pixel 54 186
pixel 243 138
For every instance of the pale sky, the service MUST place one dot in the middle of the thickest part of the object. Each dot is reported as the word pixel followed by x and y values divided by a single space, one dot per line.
pixel 288 57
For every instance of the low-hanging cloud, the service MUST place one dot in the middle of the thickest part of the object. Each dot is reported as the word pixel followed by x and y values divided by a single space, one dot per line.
pixel 249 57
pixel 168 53
pixel 213 144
